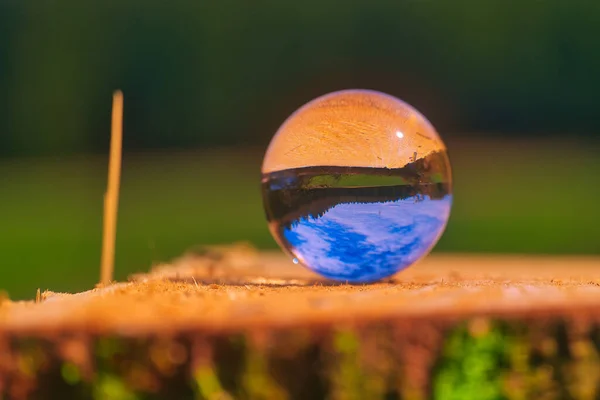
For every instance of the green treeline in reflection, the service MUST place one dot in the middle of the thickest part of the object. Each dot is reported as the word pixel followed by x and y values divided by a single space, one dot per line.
pixel 289 205
pixel 311 191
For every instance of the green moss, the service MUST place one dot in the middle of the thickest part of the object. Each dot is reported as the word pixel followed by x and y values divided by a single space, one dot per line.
pixel 70 373
pixel 257 381
pixel 583 370
pixel 517 362
pixel 31 356
pixel 347 376
pixel 106 348
pixel 208 385
pixel 472 365
pixel 119 363
pixel 346 342
pixel 530 371
pixel 351 378
pixel 111 387
pixel 229 355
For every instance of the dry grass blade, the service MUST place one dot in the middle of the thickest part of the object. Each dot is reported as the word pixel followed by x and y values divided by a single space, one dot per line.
pixel 111 199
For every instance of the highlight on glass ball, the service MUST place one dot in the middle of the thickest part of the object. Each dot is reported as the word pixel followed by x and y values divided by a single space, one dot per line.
pixel 357 186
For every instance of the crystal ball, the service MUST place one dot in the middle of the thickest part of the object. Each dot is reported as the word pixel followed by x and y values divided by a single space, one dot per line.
pixel 356 186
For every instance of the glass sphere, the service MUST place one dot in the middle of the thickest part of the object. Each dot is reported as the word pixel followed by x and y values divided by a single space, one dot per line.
pixel 356 185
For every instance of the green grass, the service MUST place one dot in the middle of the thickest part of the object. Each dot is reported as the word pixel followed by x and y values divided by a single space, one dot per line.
pixel 51 213
pixel 507 199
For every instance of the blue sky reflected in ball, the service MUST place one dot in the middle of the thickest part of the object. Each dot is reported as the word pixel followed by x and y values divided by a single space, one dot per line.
pixel 365 242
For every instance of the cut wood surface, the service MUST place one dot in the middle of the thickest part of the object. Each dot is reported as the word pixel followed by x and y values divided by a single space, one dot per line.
pixel 237 288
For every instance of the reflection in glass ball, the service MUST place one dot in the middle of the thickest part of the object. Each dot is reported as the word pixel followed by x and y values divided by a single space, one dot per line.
pixel 357 185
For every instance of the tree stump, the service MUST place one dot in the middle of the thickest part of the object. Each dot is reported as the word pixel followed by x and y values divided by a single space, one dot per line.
pixel 233 323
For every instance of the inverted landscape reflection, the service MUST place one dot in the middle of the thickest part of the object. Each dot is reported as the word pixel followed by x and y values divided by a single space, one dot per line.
pixel 356 185
pixel 364 242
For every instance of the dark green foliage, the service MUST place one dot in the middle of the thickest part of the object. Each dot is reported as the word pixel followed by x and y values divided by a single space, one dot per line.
pixel 198 73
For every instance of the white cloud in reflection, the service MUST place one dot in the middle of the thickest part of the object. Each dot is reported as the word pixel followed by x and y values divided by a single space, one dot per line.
pixel 366 242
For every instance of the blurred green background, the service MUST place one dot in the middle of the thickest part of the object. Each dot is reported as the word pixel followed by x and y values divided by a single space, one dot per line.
pixel 512 86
